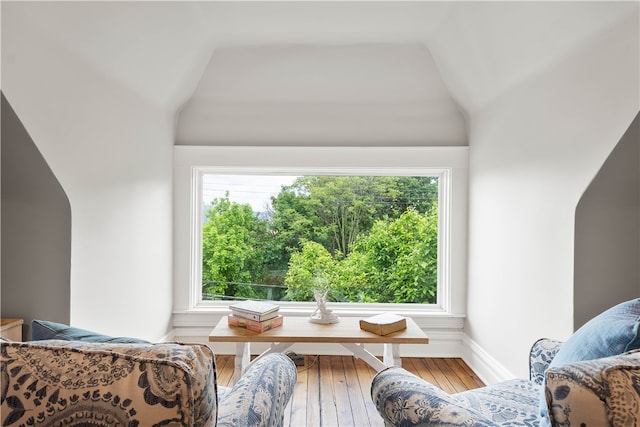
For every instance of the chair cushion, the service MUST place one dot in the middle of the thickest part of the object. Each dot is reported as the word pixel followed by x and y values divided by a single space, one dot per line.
pixel 45 330
pixel 513 402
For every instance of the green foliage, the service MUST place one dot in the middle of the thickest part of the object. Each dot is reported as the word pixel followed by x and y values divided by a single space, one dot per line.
pixel 372 239
pixel 353 282
pixel 399 258
pixel 345 205
pixel 293 222
pixel 232 249
pixel 335 210
pixel 308 268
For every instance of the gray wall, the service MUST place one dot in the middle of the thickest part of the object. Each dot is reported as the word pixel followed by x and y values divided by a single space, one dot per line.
pixel 607 232
pixel 35 230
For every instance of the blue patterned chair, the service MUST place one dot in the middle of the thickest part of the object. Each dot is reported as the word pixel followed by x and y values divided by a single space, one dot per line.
pixel 591 380
pixel 75 383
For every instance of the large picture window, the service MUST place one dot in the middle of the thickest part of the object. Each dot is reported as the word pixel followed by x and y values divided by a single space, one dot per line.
pixel 382 228
pixel 367 239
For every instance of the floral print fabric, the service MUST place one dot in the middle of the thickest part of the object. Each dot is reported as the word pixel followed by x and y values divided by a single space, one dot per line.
pixel 406 400
pixel 594 393
pixel 542 353
pixel 260 396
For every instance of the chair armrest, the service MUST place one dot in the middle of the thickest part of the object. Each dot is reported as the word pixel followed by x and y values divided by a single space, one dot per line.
pixel 404 399
pixel 260 396
pixel 622 396
pixel 594 392
pixel 56 382
pixel 542 353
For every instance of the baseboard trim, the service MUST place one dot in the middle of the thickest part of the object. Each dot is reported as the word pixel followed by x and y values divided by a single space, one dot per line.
pixel 488 369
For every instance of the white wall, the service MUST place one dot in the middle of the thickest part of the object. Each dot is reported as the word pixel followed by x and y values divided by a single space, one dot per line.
pixel 607 239
pixel 533 153
pixel 112 153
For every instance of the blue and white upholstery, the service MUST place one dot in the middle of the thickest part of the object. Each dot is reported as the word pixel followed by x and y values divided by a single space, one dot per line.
pixel 404 399
pixel 591 380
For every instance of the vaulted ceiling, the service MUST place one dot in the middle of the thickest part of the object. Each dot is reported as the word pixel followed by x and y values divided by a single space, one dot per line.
pixel 232 70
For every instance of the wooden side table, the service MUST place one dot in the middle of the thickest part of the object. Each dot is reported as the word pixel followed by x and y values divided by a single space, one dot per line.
pixel 347 332
pixel 11 329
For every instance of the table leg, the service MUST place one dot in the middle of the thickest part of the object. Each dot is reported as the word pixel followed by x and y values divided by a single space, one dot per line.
pixel 243 354
pixel 391 356
pixel 360 352
pixel 276 347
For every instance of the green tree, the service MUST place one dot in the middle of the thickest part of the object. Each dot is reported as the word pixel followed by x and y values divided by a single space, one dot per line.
pixel 232 249
pixel 311 266
pixel 335 210
pixel 414 192
pixel 346 205
pixel 352 283
pixel 399 258
pixel 294 221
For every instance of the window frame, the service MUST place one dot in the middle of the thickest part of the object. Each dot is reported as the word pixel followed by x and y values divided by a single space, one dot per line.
pixel 449 163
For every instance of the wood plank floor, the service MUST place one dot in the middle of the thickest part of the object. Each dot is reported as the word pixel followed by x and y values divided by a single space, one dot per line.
pixel 334 391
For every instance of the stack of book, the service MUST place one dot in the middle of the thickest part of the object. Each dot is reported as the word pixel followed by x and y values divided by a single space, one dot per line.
pixel 257 316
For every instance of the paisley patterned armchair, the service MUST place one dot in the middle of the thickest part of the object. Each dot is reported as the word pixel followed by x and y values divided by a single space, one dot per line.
pixel 74 383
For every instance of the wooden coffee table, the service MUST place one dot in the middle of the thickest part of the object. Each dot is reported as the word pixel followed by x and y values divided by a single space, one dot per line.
pixel 347 332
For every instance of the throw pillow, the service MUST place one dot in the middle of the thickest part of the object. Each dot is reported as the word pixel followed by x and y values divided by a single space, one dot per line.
pixel 45 330
pixel 613 332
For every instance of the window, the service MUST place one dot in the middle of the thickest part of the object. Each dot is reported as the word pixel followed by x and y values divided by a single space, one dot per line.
pixel 367 239
pixel 293 248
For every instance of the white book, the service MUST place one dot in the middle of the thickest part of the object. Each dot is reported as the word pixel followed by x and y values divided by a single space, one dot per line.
pixel 255 310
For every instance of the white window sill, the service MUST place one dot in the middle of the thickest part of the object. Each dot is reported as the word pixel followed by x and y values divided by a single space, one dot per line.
pixel 207 318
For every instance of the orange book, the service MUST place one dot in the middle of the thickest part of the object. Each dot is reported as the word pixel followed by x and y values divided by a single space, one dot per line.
pixel 254 325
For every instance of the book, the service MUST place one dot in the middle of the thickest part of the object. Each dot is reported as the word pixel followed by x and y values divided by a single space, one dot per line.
pixel 384 324
pixel 254 325
pixel 255 317
pixel 254 310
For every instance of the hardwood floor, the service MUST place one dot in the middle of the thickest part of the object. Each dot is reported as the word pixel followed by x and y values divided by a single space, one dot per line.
pixel 334 391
